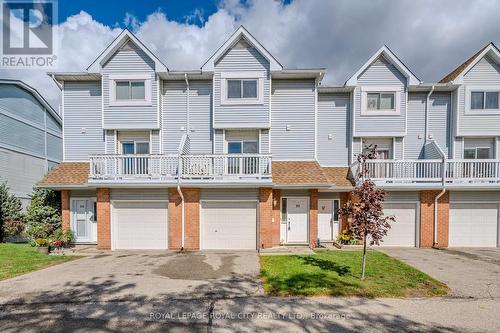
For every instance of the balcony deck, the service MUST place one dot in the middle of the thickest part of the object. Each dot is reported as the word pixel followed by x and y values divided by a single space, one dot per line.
pixel 234 168
pixel 432 173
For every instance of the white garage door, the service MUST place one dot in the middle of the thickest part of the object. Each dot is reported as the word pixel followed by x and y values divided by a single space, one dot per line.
pixel 229 225
pixel 402 232
pixel 473 224
pixel 140 225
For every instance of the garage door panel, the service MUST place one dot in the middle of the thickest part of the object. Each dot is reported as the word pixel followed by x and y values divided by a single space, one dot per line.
pixel 473 224
pixel 140 225
pixel 229 225
pixel 403 230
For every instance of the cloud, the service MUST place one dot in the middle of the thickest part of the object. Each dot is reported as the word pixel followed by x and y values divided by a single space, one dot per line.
pixel 431 37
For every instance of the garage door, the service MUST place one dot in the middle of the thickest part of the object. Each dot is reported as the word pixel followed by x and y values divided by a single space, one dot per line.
pixel 473 224
pixel 140 225
pixel 229 225
pixel 403 231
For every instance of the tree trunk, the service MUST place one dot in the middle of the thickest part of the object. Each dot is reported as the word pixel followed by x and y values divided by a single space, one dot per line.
pixel 364 258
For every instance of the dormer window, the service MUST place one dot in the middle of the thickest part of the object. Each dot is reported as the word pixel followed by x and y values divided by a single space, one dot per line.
pixel 130 89
pixel 484 100
pixel 240 88
pixel 380 101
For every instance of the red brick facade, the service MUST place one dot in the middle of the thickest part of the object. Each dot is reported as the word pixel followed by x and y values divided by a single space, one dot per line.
pixel 313 217
pixel 427 219
pixel 191 219
pixel 344 197
pixel 103 219
pixel 65 210
pixel 266 217
pixel 276 228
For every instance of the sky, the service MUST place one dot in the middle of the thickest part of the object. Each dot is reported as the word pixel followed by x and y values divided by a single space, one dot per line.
pixel 430 37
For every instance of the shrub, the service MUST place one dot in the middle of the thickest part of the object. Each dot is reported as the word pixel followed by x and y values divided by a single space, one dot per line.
pixel 39 242
pixel 43 215
pixel 64 236
pixel 11 217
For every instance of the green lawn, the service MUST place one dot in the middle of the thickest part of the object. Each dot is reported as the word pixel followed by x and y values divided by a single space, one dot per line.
pixel 336 273
pixel 17 259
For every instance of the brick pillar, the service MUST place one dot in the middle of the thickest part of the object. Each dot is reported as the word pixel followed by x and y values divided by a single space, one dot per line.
pixel 276 222
pixel 313 217
pixel 103 219
pixel 265 217
pixel 191 218
pixel 65 210
pixel 427 218
pixel 174 219
pixel 343 224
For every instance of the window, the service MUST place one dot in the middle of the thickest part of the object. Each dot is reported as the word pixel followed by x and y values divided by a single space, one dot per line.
pixel 283 210
pixel 131 148
pixel 245 147
pixel 130 90
pixel 477 153
pixel 380 101
pixel 242 89
pixel 481 100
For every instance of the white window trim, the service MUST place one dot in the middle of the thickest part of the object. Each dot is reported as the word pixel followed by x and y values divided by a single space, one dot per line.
pixel 492 153
pixel 135 142
pixel 379 89
pixel 130 77
pixel 259 76
pixel 241 141
pixel 471 89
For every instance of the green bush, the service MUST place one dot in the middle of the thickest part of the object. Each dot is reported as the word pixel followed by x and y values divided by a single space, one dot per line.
pixel 65 236
pixel 11 216
pixel 43 215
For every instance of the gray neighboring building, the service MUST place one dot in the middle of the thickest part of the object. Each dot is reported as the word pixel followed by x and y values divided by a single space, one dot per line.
pixel 30 137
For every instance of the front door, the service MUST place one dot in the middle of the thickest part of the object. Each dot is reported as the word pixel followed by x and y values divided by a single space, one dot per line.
pixel 297 215
pixel 328 219
pixel 83 220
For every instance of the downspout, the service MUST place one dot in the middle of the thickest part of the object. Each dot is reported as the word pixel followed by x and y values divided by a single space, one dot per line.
pixel 180 163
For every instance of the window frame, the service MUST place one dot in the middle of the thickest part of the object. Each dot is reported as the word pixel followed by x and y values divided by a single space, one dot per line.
pixel 146 78
pixel 258 77
pixel 379 100
pixel 483 90
pixel 242 143
pixel 135 142
pixel 475 149
pixel 395 91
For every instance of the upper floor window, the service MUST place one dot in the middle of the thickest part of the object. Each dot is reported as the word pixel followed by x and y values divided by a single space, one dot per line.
pixel 484 100
pixel 239 88
pixel 242 88
pixel 130 90
pixel 477 153
pixel 380 101
pixel 242 147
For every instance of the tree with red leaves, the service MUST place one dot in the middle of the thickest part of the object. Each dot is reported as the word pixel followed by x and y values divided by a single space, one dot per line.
pixel 365 209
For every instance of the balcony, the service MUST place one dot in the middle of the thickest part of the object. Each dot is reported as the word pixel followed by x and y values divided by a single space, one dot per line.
pixel 453 173
pixel 189 168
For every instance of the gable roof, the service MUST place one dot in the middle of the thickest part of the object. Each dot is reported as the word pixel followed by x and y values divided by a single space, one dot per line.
pixel 458 73
pixel 241 32
pixel 37 96
pixel 391 57
pixel 118 42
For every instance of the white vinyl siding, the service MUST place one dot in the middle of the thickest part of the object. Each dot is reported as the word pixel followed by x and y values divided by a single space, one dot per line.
pixel 380 73
pixel 241 59
pixel 83 133
pixel 130 60
pixel 333 129
pixel 293 120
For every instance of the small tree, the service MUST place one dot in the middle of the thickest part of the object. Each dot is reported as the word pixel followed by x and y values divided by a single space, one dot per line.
pixel 365 209
pixel 11 217
pixel 43 214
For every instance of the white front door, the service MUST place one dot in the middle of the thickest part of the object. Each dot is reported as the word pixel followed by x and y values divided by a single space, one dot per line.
pixel 297 224
pixel 83 222
pixel 328 219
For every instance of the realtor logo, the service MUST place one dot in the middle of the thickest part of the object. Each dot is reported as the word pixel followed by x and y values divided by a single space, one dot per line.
pixel 28 38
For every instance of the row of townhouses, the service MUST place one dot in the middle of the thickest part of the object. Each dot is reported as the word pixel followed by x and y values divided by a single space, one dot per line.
pixel 246 154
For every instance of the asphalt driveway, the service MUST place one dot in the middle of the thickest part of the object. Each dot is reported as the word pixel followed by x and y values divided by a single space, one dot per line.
pixel 469 272
pixel 138 275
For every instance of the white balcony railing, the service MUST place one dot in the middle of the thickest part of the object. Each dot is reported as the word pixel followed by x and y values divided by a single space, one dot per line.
pixel 133 166
pixel 241 166
pixel 431 171
pixel 226 166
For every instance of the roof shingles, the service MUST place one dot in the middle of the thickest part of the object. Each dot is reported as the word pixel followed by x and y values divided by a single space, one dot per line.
pixel 67 173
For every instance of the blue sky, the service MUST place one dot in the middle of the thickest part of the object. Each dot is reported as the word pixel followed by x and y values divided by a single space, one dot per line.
pixel 113 12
